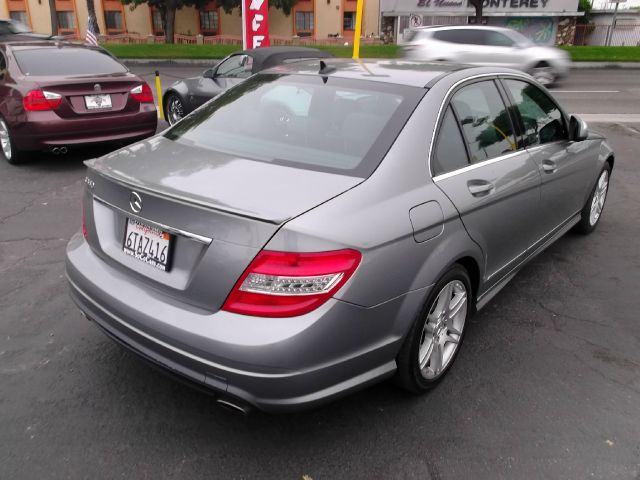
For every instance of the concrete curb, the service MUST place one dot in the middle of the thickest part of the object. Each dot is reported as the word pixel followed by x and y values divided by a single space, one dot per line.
pixel 203 62
pixel 603 65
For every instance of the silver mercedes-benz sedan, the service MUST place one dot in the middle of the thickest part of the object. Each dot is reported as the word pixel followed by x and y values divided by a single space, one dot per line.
pixel 323 226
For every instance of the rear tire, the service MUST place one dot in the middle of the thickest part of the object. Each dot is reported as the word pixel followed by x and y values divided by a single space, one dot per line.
pixel 7 147
pixel 174 109
pixel 436 335
pixel 592 211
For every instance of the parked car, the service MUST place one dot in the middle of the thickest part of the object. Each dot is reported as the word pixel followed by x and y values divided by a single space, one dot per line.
pixel 56 95
pixel 285 255
pixel 184 96
pixel 488 46
pixel 14 31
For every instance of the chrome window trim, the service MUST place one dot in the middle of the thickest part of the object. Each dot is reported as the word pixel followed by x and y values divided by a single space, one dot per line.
pixel 445 103
pixel 473 166
pixel 175 231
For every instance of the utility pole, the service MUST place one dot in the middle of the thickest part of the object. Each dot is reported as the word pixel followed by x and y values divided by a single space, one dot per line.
pixel 613 23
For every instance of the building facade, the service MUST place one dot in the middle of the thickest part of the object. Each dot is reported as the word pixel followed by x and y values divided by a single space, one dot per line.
pixel 318 19
pixel 542 21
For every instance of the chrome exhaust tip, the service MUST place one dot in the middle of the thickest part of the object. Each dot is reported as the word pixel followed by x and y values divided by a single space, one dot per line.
pixel 63 150
pixel 234 406
pixel 55 150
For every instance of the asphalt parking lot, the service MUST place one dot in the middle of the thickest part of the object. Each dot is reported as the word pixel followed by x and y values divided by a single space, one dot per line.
pixel 546 386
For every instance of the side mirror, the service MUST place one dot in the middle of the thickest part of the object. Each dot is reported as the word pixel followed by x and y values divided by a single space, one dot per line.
pixel 578 129
pixel 209 73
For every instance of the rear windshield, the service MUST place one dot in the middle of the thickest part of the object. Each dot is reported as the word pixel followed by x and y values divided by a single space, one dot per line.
pixel 67 61
pixel 306 121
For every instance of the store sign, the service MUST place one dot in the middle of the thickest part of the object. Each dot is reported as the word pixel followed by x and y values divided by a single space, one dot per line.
pixel 435 7
pixel 255 24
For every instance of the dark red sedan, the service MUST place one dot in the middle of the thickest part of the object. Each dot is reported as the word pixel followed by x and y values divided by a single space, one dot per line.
pixel 57 95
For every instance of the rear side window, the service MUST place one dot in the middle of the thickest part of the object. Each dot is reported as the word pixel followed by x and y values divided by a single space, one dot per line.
pixel 485 121
pixel 66 61
pixel 450 153
pixel 497 39
pixel 541 118
pixel 460 35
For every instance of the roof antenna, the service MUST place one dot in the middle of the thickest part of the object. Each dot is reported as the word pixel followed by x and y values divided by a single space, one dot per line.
pixel 325 69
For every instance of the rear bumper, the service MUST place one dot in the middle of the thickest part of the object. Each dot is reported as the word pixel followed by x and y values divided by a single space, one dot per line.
pixel 271 363
pixel 44 130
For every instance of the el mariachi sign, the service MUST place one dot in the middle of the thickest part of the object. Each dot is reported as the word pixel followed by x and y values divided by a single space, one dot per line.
pixel 255 23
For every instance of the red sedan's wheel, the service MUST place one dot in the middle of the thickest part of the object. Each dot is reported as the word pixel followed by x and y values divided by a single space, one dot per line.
pixel 6 145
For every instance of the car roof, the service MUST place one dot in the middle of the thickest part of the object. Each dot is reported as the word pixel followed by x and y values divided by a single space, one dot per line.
pixel 270 56
pixel 459 27
pixel 401 72
pixel 43 44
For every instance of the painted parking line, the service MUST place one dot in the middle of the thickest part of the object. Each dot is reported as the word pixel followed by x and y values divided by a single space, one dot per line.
pixel 585 91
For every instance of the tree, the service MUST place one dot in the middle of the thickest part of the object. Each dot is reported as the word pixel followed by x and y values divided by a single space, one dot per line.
pixel 477 4
pixel 168 9
pixel 54 17
pixel 91 9
pixel 285 5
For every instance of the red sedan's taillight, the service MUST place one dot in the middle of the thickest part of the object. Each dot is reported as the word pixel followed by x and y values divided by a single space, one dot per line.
pixel 39 100
pixel 283 284
pixel 142 93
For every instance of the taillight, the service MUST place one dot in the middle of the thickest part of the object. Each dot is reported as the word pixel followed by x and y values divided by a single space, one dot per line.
pixel 283 284
pixel 142 93
pixel 39 100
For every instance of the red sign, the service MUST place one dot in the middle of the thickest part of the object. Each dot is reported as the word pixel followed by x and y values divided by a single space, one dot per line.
pixel 255 25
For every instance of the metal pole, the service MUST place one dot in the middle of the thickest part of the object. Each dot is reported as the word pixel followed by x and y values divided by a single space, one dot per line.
pixel 613 26
pixel 357 33
pixel 159 91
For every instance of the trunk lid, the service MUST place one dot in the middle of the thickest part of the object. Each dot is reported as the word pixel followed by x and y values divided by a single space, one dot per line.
pixel 74 90
pixel 219 210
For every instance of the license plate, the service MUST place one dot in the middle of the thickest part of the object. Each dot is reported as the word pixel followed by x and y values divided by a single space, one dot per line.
pixel 147 243
pixel 95 102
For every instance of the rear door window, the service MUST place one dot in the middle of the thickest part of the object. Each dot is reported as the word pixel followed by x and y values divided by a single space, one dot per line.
pixel 542 120
pixel 497 39
pixel 450 153
pixel 485 121
pixel 66 61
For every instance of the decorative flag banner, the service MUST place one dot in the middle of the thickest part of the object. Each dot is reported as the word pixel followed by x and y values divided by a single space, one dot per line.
pixel 91 37
pixel 255 23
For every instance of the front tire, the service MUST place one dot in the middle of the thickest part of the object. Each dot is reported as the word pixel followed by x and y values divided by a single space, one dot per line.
pixel 592 210
pixel 434 340
pixel 7 147
pixel 174 109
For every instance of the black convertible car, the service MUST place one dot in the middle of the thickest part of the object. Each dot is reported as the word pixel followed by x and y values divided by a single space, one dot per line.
pixel 186 95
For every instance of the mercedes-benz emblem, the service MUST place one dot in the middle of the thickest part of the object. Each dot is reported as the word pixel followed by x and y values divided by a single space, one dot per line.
pixel 97 87
pixel 135 202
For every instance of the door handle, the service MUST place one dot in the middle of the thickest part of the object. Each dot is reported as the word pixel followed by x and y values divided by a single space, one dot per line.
pixel 549 166
pixel 480 188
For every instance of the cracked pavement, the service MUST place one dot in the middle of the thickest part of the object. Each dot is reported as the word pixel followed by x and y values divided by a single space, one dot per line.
pixel 547 384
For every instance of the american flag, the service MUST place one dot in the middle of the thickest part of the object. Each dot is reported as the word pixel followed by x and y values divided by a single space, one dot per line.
pixel 92 28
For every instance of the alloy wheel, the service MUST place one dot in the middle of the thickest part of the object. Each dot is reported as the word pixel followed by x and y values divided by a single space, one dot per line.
pixel 5 141
pixel 175 110
pixel 599 197
pixel 543 75
pixel 442 330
